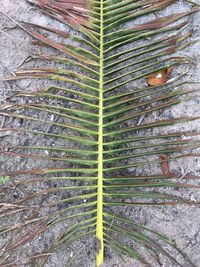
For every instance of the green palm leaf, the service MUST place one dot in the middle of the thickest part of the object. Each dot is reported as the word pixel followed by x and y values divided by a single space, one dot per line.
pixel 94 107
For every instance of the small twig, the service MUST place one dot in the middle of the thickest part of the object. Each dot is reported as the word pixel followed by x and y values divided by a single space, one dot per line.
pixel 185 173
pixel 111 223
pixel 2 122
pixel 140 120
pixel 7 34
pixel 7 70
pixel 3 261
pixel 74 257
pixel 20 25
pixel 40 255
pixel 15 188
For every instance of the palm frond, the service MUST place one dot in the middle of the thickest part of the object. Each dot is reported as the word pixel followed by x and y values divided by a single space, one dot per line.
pixel 92 120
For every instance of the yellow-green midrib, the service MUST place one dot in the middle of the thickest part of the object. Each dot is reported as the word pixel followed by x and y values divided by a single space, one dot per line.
pixel 99 229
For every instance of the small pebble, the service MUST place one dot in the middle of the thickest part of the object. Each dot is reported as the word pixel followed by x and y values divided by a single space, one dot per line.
pixel 46 152
pixel 192 198
pixel 52 118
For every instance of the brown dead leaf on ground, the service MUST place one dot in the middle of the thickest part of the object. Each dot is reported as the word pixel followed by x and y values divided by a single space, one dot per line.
pixel 160 77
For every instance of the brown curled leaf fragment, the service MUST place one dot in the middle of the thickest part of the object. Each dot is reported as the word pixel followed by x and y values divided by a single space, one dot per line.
pixel 164 164
pixel 160 77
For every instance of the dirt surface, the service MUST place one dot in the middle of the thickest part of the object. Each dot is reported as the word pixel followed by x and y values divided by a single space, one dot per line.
pixel 180 223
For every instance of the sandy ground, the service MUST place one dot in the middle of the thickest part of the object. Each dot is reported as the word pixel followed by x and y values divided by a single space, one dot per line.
pixel 179 223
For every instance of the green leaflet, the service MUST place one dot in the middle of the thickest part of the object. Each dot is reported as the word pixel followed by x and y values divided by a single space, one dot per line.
pixel 88 128
pixel 4 180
